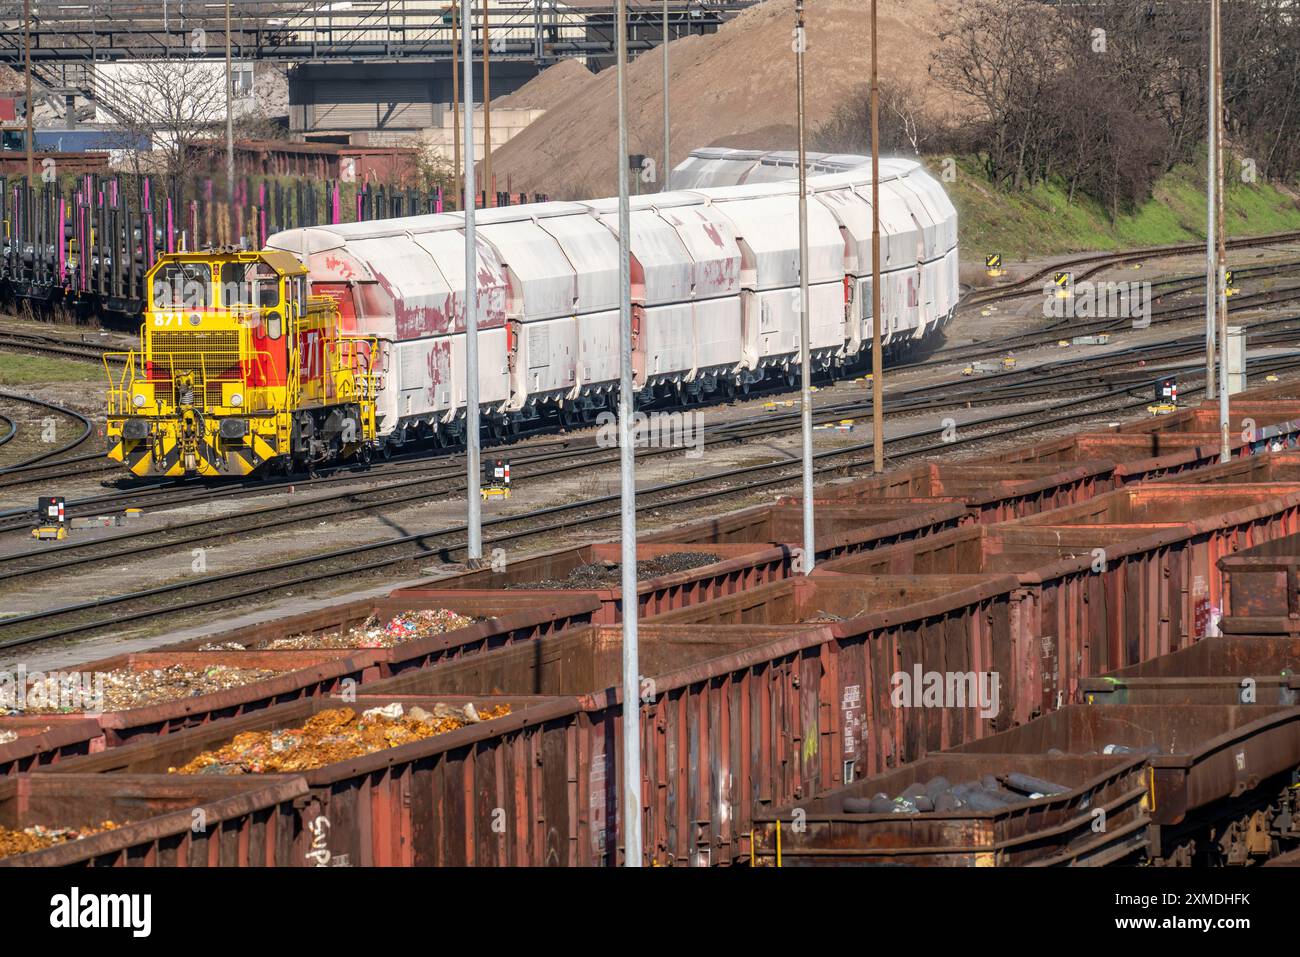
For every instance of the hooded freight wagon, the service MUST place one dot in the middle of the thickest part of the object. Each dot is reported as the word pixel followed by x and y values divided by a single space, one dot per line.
pixel 348 337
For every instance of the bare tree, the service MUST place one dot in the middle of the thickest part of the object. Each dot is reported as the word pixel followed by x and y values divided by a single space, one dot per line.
pixel 906 127
pixel 1001 59
pixel 430 168
pixel 173 103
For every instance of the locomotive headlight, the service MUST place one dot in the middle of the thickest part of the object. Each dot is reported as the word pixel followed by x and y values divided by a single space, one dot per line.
pixel 236 399
pixel 138 400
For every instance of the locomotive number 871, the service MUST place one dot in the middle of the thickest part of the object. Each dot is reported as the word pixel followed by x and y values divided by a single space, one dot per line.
pixel 239 370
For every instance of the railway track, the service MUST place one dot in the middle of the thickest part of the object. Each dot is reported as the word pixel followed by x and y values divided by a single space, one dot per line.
pixel 1072 373
pixel 443 478
pixel 80 421
pixel 1090 264
pixel 1062 377
pixel 193 490
pixel 566 460
pixel 50 346
pixel 1093 263
pixel 1172 312
pixel 446 544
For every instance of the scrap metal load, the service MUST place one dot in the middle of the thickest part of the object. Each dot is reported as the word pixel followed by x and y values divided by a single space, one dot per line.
pixel 335 735
pixel 715 290
pixel 38 837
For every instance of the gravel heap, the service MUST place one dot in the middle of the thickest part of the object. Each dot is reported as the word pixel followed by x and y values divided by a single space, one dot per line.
pixel 338 734
pixel 37 837
pixel 607 574
pixel 740 77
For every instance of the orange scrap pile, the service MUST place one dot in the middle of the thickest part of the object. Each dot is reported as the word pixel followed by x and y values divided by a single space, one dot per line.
pixel 37 838
pixel 338 734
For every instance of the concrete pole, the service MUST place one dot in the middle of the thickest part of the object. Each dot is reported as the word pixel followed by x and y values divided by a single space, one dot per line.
pixel 631 803
pixel 1211 205
pixel 230 117
pixel 27 67
pixel 877 350
pixel 455 100
pixel 668 161
pixel 1224 452
pixel 487 112
pixel 474 520
pixel 809 557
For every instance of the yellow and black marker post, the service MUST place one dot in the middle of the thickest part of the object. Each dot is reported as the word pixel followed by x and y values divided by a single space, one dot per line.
pixel 1064 285
pixel 993 264
pixel 1228 288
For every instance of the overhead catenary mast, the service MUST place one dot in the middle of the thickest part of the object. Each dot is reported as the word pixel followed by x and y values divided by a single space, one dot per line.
pixel 668 160
pixel 877 349
pixel 489 192
pixel 455 101
pixel 1225 452
pixel 230 117
pixel 630 805
pixel 808 558
pixel 1211 210
pixel 27 79
pixel 474 527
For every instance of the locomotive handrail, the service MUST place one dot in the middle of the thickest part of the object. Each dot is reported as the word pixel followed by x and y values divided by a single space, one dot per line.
pixel 120 387
pixel 348 347
pixel 122 384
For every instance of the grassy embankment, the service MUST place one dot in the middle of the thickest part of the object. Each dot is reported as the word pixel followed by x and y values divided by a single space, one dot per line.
pixel 1041 222
pixel 19 369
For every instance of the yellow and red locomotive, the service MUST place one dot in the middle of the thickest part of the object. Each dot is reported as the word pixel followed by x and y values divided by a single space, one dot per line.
pixel 239 369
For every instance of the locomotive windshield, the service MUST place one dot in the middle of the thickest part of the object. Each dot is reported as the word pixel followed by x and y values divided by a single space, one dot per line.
pixel 181 285
pixel 249 284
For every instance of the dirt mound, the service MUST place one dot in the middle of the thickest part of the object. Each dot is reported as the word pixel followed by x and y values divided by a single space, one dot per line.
pixel 730 88
pixel 549 88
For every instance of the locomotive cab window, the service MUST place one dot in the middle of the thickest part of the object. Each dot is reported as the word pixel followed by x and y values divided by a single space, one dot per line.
pixel 234 285
pixel 266 285
pixel 182 286
pixel 235 290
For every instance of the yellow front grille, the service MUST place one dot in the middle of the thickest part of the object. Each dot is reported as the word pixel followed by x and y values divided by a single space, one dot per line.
pixel 211 357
